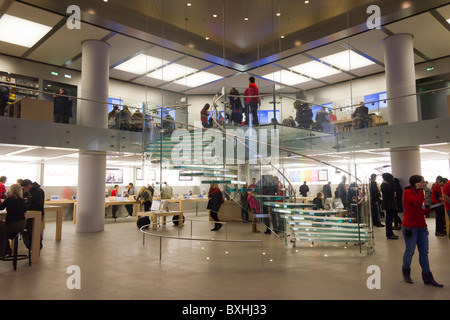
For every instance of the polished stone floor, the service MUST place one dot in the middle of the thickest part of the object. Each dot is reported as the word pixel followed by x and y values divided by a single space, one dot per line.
pixel 118 264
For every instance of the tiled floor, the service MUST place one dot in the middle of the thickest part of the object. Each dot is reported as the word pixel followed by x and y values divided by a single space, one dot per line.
pixel 115 264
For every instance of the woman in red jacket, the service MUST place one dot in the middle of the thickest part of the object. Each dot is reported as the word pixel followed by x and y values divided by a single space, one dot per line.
pixel 415 231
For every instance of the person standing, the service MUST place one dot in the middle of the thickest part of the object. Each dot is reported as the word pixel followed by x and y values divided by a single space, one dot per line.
pixel 115 193
pixel 255 210
pixel 304 189
pixel 398 204
pixel 327 191
pixel 342 191
pixel 204 116
pixel 245 206
pixel 236 106
pixel 62 107
pixel 215 197
pixel 446 197
pixel 323 120
pixel 436 198
pixel 130 192
pixel 415 231
pixel 2 188
pixel 252 101
pixel 145 196
pixel 15 218
pixel 389 204
pixel 375 201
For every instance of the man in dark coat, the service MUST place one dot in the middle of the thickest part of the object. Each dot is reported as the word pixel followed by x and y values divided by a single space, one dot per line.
pixel 35 202
pixel 375 201
pixel 62 107
pixel 389 203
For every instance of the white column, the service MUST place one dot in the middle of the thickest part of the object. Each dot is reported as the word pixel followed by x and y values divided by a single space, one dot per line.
pixel 93 113
pixel 400 78
pixel 400 82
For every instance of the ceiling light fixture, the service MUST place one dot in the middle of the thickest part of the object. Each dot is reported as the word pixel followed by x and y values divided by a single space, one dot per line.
pixel 278 14
pixel 214 15
pixel 189 4
pixel 171 72
pixel 21 32
pixel 198 79
pixel 206 38
pixel 246 19
pixel 315 69
pixel 347 60
pixel 285 77
pixel 141 64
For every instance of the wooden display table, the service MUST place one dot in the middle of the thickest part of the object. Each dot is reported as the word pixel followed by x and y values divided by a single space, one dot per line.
pixel 109 203
pixel 32 109
pixel 59 212
pixel 155 214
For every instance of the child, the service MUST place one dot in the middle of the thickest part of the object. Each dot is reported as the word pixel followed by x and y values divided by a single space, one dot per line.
pixel 318 202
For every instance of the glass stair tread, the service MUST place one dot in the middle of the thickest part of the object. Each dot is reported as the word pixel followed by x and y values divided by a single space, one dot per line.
pixel 329 230
pixel 331 235
pixel 267 197
pixel 309 212
pixel 317 239
pixel 181 167
pixel 289 204
pixel 313 224
pixel 206 174
pixel 223 181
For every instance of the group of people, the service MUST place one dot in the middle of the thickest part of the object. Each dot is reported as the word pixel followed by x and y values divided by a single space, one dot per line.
pixel 235 112
pixel 124 119
pixel 22 196
pixel 412 202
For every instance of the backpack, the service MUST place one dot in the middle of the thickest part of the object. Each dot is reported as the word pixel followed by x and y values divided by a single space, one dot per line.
pixel 142 221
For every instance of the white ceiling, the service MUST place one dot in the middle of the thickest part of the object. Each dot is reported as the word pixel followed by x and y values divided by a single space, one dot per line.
pixel 431 40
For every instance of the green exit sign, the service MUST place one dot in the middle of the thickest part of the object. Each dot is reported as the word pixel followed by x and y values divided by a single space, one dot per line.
pixel 54 73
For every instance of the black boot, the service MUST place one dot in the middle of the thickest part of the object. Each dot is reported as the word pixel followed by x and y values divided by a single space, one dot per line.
pixel 428 279
pixel 407 275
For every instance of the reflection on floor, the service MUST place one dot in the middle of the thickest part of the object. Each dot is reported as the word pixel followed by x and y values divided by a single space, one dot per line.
pixel 115 264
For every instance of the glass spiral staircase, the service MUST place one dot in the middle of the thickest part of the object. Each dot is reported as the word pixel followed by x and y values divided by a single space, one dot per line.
pixel 300 221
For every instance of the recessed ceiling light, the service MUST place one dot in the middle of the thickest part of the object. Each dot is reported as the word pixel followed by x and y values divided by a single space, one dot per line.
pixel 214 15
pixel 21 32
pixel 206 38
pixel 189 4
pixel 307 1
pixel 198 79
pixel 171 72
pixel 315 69
pixel 278 14
pixel 347 60
pixel 246 19
pixel 141 64
pixel 285 77
pixel 282 37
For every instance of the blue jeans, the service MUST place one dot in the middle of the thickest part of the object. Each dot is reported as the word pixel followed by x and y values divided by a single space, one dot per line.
pixel 419 237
